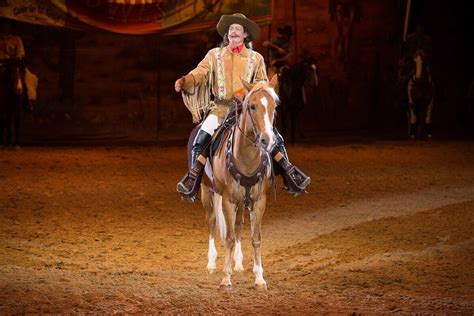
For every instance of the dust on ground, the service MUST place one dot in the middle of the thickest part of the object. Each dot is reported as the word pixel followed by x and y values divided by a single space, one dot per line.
pixel 385 227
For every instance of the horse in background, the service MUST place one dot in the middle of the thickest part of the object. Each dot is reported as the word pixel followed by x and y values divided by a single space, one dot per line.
pixel 241 169
pixel 421 92
pixel 11 71
pixel 292 84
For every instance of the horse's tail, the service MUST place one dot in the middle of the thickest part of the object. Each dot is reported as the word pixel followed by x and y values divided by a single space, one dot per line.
pixel 220 220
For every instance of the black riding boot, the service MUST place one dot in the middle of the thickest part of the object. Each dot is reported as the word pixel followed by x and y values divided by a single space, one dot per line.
pixel 294 179
pixel 189 184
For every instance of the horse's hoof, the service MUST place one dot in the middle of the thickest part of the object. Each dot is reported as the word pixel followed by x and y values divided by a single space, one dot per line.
pixel 212 270
pixel 225 287
pixel 188 199
pixel 239 268
pixel 261 286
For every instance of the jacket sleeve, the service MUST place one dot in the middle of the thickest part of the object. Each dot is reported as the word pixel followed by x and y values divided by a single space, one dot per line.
pixel 198 75
pixel 260 73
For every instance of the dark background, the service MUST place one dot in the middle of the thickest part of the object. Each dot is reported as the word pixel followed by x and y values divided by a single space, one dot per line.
pixel 101 86
pixel 451 28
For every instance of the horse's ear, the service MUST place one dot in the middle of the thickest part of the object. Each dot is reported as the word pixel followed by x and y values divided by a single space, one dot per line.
pixel 247 85
pixel 274 81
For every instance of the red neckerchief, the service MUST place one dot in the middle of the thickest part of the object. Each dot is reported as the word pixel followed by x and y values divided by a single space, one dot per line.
pixel 236 50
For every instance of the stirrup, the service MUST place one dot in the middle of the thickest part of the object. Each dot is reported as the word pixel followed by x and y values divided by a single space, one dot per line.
pixel 291 176
pixel 189 193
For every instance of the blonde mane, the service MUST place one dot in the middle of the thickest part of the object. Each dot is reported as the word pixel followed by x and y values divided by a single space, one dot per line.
pixel 262 85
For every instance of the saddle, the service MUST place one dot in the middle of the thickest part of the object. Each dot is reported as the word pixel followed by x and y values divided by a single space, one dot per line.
pixel 225 127
pixel 224 135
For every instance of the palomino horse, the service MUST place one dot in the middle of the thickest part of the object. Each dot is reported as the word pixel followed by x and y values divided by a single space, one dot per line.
pixel 291 89
pixel 241 173
pixel 420 97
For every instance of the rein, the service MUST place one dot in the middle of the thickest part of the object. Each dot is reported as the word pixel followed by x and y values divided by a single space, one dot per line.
pixel 243 180
pixel 255 132
pixel 254 128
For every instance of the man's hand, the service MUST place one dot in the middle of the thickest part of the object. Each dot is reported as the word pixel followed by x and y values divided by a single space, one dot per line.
pixel 178 85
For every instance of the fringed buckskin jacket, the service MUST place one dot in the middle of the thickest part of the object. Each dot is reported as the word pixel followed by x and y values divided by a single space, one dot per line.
pixel 220 73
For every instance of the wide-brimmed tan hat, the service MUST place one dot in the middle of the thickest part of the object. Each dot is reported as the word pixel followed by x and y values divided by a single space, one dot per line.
pixel 238 18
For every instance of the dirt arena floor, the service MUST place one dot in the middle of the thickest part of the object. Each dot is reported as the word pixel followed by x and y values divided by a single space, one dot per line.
pixel 386 227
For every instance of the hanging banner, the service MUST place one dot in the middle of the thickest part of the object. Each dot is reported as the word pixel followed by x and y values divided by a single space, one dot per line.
pixel 32 11
pixel 133 16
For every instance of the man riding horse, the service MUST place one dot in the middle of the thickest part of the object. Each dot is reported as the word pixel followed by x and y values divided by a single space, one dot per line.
pixel 415 79
pixel 414 43
pixel 280 49
pixel 220 73
pixel 12 74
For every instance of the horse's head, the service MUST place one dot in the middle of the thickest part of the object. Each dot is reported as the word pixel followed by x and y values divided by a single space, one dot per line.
pixel 259 112
pixel 421 66
pixel 301 75
pixel 420 52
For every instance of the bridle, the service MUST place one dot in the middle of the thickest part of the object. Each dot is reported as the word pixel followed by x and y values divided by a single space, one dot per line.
pixel 257 135
pixel 256 178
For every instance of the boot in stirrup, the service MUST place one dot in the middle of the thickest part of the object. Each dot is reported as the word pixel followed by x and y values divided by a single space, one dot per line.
pixel 188 187
pixel 294 179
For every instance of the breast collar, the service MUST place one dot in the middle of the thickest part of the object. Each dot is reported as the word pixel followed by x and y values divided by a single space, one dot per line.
pixel 243 180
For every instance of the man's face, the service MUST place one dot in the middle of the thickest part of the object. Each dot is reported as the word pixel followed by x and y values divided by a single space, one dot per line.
pixel 236 34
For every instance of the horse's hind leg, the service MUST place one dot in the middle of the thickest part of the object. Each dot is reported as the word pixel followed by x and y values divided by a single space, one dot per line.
pixel 429 113
pixel 208 204
pixel 412 122
pixel 411 109
pixel 238 255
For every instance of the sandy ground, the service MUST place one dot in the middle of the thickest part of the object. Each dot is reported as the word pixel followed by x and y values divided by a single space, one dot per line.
pixel 385 227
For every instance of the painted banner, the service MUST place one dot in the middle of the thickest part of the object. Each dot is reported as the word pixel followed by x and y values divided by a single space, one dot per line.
pixel 31 11
pixel 134 16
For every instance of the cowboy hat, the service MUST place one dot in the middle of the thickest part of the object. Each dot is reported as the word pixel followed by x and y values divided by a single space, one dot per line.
pixel 250 26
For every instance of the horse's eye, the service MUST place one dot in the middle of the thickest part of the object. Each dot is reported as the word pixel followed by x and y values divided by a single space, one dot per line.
pixel 252 107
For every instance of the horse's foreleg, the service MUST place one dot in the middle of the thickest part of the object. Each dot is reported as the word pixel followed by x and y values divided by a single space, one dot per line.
pixel 429 113
pixel 229 215
pixel 238 255
pixel 208 204
pixel 411 109
pixel 256 224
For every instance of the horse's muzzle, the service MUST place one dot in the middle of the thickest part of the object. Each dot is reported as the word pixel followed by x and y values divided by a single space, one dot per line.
pixel 266 143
